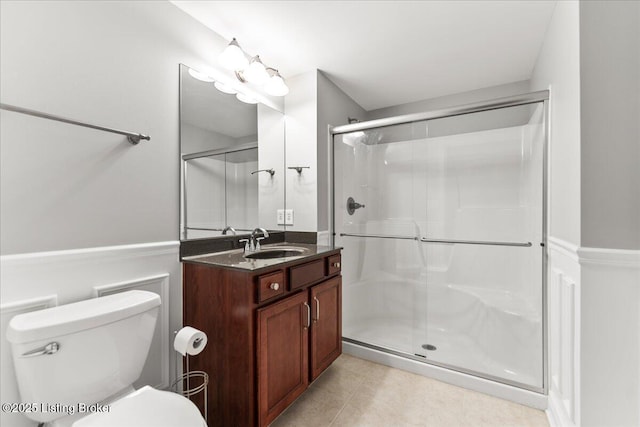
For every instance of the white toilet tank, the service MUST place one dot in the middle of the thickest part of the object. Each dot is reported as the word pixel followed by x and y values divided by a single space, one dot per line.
pixel 102 345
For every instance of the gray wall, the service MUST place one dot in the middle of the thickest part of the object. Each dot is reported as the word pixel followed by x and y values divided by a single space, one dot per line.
pixel 301 119
pixel 610 189
pixel 610 123
pixel 65 188
pixel 109 63
pixel 558 69
pixel 451 100
pixel 334 108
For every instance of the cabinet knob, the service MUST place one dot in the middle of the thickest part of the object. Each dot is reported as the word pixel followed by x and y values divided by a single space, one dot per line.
pixel 275 286
pixel 336 264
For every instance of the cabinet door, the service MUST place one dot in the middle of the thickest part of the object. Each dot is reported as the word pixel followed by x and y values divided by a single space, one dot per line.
pixel 283 355
pixel 326 330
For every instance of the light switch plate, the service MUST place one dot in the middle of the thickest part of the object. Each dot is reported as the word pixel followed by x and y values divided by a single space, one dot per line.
pixel 280 217
pixel 288 217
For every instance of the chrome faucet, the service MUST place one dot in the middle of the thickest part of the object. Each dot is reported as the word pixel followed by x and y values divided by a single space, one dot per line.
pixel 228 228
pixel 252 244
pixel 256 240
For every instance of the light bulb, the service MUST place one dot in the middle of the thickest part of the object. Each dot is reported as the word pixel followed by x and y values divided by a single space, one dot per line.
pixel 200 76
pixel 225 88
pixel 257 72
pixel 276 85
pixel 245 98
pixel 232 57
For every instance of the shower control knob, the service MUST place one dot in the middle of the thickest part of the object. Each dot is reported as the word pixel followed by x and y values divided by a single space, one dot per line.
pixel 352 206
pixel 275 286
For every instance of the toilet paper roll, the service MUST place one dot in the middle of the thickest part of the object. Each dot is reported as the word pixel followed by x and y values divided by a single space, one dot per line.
pixel 189 341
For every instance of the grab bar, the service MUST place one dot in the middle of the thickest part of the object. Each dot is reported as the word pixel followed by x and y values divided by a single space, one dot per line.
pixel 132 137
pixel 378 236
pixel 213 229
pixel 426 240
pixel 476 242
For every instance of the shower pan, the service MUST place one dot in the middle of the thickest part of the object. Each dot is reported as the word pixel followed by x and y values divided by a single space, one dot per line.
pixel 442 219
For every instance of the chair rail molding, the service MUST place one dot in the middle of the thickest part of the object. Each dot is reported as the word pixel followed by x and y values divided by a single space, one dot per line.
pixel 609 257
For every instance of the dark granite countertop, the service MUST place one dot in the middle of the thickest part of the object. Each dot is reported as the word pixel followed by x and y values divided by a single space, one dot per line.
pixel 234 259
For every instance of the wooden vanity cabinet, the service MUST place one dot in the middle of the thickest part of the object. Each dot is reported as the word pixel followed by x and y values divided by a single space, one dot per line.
pixel 283 355
pixel 270 333
pixel 326 328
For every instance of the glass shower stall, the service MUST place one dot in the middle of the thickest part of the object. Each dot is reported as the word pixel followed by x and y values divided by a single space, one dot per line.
pixel 442 219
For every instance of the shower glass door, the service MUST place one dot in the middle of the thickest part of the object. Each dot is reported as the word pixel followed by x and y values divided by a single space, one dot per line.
pixel 380 203
pixel 443 262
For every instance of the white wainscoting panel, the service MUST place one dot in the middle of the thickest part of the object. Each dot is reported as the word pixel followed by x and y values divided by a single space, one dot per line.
pixel 610 347
pixel 563 299
pixel 568 336
pixel 594 336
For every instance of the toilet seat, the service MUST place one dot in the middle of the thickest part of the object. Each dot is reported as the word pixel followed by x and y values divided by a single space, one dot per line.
pixel 147 407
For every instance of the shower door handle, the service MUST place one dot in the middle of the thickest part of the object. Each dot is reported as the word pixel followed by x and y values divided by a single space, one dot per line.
pixel 352 205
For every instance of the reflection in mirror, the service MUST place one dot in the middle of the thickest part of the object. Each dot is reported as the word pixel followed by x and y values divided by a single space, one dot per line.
pixel 221 191
pixel 223 143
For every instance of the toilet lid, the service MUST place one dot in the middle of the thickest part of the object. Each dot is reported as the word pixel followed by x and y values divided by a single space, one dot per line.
pixel 147 407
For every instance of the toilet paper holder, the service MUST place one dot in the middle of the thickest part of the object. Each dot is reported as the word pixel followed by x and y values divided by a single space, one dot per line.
pixel 201 379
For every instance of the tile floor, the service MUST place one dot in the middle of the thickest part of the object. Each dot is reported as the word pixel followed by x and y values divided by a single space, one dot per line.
pixel 356 392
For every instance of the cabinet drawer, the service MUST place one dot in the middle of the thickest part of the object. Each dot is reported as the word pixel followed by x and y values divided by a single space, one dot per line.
pixel 306 273
pixel 270 285
pixel 334 264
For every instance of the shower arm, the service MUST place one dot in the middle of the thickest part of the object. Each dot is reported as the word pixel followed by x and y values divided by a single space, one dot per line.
pixel 270 171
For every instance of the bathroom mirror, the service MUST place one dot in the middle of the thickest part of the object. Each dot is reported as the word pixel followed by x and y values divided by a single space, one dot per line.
pixel 232 161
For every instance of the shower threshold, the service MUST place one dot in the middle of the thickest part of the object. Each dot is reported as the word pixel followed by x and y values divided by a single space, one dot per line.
pixel 447 349
pixel 525 396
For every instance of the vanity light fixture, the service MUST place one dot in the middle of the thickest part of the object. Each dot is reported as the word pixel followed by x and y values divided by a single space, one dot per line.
pixel 233 57
pixel 245 98
pixel 276 86
pixel 254 71
pixel 222 87
pixel 225 88
pixel 200 76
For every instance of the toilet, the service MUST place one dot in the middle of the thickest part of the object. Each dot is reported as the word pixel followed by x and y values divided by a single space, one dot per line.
pixel 76 364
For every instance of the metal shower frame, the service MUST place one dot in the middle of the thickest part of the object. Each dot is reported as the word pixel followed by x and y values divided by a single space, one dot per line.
pixel 494 104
